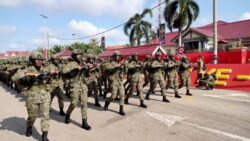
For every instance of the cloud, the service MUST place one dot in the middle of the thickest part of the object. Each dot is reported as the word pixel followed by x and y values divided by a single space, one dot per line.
pixel 245 16
pixel 12 3
pixel 85 28
pixel 119 8
pixel 7 30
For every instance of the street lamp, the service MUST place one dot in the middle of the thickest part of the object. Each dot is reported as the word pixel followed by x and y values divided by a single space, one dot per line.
pixel 47 34
pixel 215 57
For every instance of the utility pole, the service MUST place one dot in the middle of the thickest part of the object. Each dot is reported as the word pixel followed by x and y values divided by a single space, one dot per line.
pixel 215 57
pixel 47 35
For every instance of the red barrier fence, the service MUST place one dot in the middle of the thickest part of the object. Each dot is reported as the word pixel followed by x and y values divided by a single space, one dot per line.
pixel 232 82
pixel 236 56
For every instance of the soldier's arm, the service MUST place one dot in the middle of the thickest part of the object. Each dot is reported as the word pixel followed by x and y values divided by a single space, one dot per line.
pixel 110 66
pixel 171 64
pixel 155 65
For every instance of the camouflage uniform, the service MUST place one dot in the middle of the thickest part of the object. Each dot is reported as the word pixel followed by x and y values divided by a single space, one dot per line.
pixel 116 79
pixel 146 71
pixel 173 67
pixel 208 81
pixel 92 81
pixel 136 80
pixel 184 71
pixel 57 82
pixel 37 95
pixel 157 77
pixel 74 71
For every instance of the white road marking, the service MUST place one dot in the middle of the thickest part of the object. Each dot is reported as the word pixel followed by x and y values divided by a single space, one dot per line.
pixel 167 120
pixel 222 97
pixel 238 94
pixel 216 131
pixel 171 119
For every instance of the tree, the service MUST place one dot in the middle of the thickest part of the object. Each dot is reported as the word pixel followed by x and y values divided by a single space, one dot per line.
pixel 56 49
pixel 180 14
pixel 137 28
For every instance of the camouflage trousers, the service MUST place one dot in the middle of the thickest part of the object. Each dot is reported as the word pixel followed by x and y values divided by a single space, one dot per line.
pixel 117 90
pixel 162 84
pixel 33 109
pixel 59 94
pixel 185 81
pixel 174 81
pixel 75 96
pixel 138 87
pixel 93 87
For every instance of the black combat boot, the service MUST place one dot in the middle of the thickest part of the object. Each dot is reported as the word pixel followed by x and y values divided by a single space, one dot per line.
pixel 142 104
pixel 67 119
pixel 97 104
pixel 106 105
pixel 45 136
pixel 177 95
pixel 188 93
pixel 126 100
pixel 165 99
pixel 62 113
pixel 121 112
pixel 29 131
pixel 147 96
pixel 85 124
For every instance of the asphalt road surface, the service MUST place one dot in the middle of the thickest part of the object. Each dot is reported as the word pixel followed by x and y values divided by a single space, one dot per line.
pixel 217 115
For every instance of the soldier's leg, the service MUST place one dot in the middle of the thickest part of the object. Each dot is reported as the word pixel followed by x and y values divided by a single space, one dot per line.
pixel 175 83
pixel 114 91
pixel 146 79
pixel 45 107
pixel 60 101
pixel 131 91
pixel 183 81
pixel 32 110
pixel 163 90
pixel 153 85
pixel 170 82
pixel 188 82
pixel 74 98
pixel 96 95
pixel 84 106
pixel 121 92
pixel 140 92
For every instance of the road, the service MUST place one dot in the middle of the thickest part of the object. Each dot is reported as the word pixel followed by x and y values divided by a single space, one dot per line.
pixel 217 115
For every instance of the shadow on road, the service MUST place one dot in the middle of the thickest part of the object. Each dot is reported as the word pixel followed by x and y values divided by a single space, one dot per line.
pixel 17 125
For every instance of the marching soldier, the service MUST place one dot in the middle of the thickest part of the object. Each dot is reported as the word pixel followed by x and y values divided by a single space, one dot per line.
pixel 146 70
pixel 57 82
pixel 92 82
pixel 116 80
pixel 173 74
pixel 157 77
pixel 75 71
pixel 135 80
pixel 37 93
pixel 184 71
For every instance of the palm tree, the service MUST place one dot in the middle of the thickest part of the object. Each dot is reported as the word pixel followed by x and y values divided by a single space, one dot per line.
pixel 180 14
pixel 137 28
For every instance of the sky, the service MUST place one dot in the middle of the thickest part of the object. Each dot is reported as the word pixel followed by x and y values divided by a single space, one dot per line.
pixel 23 28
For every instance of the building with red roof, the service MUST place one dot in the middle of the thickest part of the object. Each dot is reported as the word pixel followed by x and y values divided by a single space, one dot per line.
pixel 14 54
pixel 198 39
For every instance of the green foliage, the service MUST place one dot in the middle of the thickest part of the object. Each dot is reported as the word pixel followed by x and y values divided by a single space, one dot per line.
pixel 137 28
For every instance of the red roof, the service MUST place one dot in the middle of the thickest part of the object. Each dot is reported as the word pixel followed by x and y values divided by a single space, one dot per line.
pixel 142 50
pixel 226 31
pixel 64 53
pixel 115 47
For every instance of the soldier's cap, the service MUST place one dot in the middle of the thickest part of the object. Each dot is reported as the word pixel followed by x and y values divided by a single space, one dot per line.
pixel 77 51
pixel 171 55
pixel 158 54
pixel 54 57
pixel 148 56
pixel 36 56
pixel 135 54
pixel 117 53
pixel 90 56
